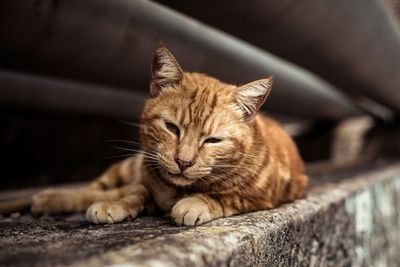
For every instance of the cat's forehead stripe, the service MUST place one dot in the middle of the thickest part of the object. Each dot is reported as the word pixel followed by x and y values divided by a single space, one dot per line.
pixel 214 101
pixel 205 109
pixel 194 95
pixel 196 104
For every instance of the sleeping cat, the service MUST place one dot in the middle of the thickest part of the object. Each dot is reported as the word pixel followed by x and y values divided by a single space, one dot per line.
pixel 207 153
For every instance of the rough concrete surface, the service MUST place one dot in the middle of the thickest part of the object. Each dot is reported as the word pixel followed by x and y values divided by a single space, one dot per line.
pixel 355 222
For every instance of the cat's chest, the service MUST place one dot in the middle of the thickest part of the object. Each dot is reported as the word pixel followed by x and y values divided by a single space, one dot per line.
pixel 165 200
pixel 164 197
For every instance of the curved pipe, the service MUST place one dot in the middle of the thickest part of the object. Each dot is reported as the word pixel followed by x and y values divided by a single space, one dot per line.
pixel 43 93
pixel 354 45
pixel 111 42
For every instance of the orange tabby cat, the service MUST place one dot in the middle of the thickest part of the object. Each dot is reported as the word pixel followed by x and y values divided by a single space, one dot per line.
pixel 207 154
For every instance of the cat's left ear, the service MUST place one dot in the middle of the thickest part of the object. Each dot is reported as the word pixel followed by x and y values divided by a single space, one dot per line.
pixel 252 96
pixel 165 70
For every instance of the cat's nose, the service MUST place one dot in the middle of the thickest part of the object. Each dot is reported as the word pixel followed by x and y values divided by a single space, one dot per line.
pixel 183 165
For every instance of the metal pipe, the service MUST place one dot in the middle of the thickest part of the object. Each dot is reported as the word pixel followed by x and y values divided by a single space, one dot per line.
pixel 111 42
pixel 352 44
pixel 42 93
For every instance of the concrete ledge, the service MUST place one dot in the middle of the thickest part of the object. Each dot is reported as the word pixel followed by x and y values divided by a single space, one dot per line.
pixel 354 222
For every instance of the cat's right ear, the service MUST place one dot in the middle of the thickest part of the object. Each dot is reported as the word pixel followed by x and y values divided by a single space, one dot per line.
pixel 165 70
pixel 252 96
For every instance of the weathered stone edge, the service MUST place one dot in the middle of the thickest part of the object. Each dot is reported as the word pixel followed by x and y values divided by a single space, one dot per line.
pixel 355 222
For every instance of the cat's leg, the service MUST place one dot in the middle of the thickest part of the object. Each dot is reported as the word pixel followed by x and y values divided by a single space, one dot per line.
pixel 201 208
pixel 104 188
pixel 51 201
pixel 119 174
pixel 198 209
pixel 131 204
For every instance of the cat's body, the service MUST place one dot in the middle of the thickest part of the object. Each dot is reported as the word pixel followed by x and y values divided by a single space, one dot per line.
pixel 207 153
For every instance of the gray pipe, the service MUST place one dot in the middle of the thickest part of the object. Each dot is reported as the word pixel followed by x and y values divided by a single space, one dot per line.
pixel 354 45
pixel 28 92
pixel 111 42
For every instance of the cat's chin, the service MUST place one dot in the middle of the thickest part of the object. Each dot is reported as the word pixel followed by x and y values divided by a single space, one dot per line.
pixel 179 179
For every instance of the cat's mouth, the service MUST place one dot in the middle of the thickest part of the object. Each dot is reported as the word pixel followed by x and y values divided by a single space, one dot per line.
pixel 179 175
pixel 179 179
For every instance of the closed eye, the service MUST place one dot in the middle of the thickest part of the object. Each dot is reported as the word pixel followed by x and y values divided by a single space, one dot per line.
pixel 173 128
pixel 213 140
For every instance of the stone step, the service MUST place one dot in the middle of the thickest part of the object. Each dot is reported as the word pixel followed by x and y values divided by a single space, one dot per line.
pixel 349 222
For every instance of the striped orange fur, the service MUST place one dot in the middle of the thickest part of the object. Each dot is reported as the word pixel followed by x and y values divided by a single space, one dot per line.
pixel 207 153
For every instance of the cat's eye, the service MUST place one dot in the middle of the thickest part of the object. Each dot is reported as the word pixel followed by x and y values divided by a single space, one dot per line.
pixel 172 128
pixel 213 140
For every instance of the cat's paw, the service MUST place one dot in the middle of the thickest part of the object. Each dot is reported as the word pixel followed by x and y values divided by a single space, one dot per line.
pixel 108 212
pixel 53 201
pixel 191 211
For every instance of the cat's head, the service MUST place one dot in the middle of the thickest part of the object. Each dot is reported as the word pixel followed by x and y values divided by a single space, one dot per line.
pixel 194 126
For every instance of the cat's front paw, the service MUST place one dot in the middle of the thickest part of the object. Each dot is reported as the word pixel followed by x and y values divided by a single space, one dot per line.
pixel 107 212
pixel 191 211
pixel 53 201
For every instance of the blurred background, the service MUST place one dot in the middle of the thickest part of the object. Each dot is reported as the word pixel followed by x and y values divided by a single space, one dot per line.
pixel 74 76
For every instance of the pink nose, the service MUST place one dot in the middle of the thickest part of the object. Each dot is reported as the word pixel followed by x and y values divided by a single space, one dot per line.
pixel 183 165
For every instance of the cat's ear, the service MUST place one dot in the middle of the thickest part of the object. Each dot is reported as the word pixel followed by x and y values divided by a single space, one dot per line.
pixel 165 70
pixel 251 96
